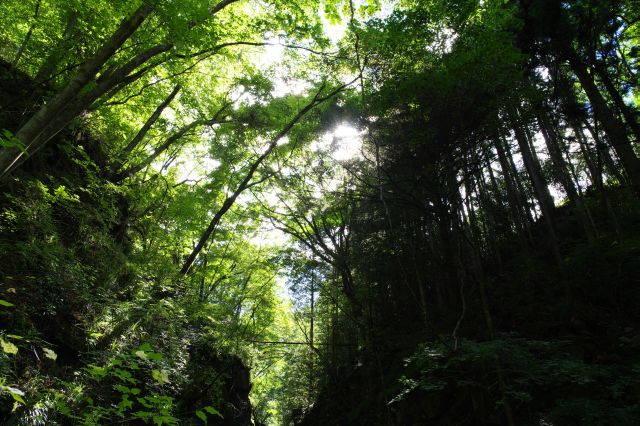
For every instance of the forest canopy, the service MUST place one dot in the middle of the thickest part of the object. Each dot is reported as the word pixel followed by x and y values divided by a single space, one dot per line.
pixel 319 212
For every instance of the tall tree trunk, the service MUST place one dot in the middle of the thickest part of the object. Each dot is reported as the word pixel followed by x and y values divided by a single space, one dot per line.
pixel 69 102
pixel 479 276
pixel 627 113
pixel 48 67
pixel 490 207
pixel 27 38
pixel 522 192
pixel 539 185
pixel 76 106
pixel 31 131
pixel 603 155
pixel 595 174
pixel 513 194
pixel 612 126
pixel 563 176
pixel 501 220
pixel 253 168
pixel 126 152
pixel 532 165
pixel 169 142
pixel 312 348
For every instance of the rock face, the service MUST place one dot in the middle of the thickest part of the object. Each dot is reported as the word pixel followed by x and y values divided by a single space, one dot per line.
pixel 237 410
pixel 219 381
pixel 18 93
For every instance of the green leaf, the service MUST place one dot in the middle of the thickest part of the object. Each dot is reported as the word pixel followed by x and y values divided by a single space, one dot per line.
pixel 123 389
pixel 14 336
pixel 50 354
pixel 141 354
pixel 202 416
pixel 18 398
pixel 96 371
pixel 8 140
pixel 8 347
pixel 125 403
pixel 160 376
pixel 15 393
pixel 213 411
pixel 5 303
pixel 145 347
pixel 154 356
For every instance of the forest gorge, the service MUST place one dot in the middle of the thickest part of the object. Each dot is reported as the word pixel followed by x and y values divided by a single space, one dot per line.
pixel 320 212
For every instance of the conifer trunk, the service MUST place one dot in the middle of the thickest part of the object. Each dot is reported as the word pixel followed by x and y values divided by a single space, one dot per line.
pixel 612 126
pixel 540 187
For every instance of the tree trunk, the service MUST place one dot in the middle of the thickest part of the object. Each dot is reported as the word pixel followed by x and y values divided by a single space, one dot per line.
pixel 612 126
pixel 563 176
pixel 68 103
pixel 246 182
pixel 539 185
pixel 27 38
pixel 627 113
pixel 513 195
pixel 522 192
pixel 595 173
pixel 33 129
pixel 126 152
pixel 603 156
pixel 52 61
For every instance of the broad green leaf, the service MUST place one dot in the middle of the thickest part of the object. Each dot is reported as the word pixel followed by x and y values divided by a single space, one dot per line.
pixel 8 347
pixel 202 416
pixel 213 411
pixel 5 303
pixel 50 354
pixel 141 354
pixel 122 389
pixel 18 398
pixel 125 404
pixel 97 371
pixel 145 347
pixel 160 376
pixel 154 356
pixel 15 393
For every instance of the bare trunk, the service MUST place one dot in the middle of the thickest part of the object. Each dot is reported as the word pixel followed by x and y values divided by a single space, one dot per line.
pixel 612 126
pixel 563 176
pixel 52 61
pixel 30 134
pixel 69 103
pixel 27 38
pixel 627 113
pixel 122 158
pixel 539 185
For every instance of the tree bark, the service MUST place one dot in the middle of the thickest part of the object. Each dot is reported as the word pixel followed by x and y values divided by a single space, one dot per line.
pixel 595 173
pixel 69 102
pixel 31 131
pixel 27 38
pixel 627 113
pixel 612 126
pixel 513 195
pixel 563 176
pixel 126 152
pixel 539 185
